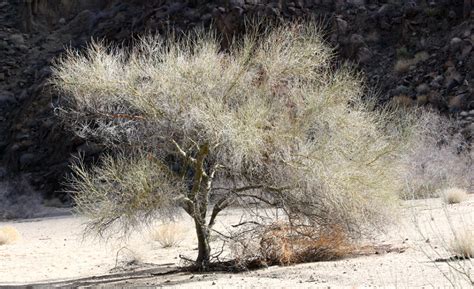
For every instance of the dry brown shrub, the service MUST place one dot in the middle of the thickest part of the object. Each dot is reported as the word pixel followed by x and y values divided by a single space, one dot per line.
pixel 284 244
pixel 402 65
pixel 8 235
pixel 403 100
pixel 421 56
pixel 422 99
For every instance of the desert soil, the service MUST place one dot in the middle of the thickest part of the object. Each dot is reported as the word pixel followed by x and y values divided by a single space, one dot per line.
pixel 54 252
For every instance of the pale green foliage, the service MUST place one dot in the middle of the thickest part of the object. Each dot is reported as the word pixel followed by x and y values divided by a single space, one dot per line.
pixel 130 190
pixel 272 111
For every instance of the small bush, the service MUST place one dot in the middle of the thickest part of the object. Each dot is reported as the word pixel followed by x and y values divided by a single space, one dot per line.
pixel 403 100
pixel 437 159
pixel 463 243
pixel 404 63
pixel 168 235
pixel 8 235
pixel 454 195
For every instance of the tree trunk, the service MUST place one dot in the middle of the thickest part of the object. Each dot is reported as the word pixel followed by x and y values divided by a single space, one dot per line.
pixel 202 232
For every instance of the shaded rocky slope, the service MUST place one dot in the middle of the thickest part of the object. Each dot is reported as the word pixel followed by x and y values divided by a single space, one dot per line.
pixel 418 52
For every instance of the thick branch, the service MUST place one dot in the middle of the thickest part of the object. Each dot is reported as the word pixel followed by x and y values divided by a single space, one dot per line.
pixel 187 205
pixel 218 207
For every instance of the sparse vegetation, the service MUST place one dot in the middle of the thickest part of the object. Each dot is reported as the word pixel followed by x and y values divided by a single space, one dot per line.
pixel 462 244
pixel 403 63
pixel 438 159
pixel 127 258
pixel 403 100
pixel 168 235
pixel 8 235
pixel 454 195
pixel 269 122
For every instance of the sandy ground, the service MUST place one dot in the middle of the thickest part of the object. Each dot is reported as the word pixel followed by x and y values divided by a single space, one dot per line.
pixel 54 252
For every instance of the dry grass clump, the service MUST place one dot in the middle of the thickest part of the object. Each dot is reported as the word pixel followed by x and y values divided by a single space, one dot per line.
pixel 454 195
pixel 403 100
pixel 403 65
pixel 8 235
pixel 168 235
pixel 463 243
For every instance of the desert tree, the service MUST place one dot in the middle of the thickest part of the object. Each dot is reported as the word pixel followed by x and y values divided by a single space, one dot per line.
pixel 189 126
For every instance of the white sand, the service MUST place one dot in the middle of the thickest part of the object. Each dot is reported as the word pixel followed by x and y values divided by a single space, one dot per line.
pixel 53 249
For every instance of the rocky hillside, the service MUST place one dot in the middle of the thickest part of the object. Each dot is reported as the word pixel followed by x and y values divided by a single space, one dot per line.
pixel 417 52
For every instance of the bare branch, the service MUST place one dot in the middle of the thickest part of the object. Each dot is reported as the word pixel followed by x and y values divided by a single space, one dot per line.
pixel 183 153
pixel 246 223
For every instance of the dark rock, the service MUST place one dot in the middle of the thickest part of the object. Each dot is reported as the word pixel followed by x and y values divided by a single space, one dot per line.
pixel 341 25
pixel 82 23
pixel 3 173
pixel 356 2
pixel 17 39
pixel 452 14
pixel 236 3
pixel 357 39
pixel 385 10
pixel 6 97
pixel 89 149
pixel 27 160
pixel 401 90
pixel 364 55
pixel 422 88
pixel 455 43
pixel 465 52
